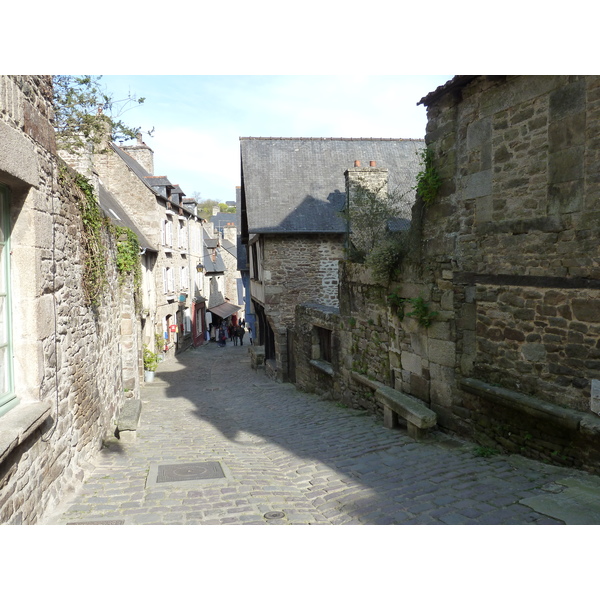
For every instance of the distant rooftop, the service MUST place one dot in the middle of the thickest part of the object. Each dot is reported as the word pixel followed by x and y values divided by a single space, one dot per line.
pixel 298 184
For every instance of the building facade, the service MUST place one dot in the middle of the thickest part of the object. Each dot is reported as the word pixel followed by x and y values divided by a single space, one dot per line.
pixel 505 262
pixel 61 375
pixel 293 193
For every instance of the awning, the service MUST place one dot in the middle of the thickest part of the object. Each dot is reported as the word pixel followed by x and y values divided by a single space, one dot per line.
pixel 224 310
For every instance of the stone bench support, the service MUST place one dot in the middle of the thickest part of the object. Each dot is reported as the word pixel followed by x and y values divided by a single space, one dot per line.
pixel 419 418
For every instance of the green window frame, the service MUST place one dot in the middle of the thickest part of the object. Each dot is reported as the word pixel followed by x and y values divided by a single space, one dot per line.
pixel 8 397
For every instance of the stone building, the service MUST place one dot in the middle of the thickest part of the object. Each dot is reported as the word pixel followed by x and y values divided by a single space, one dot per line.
pixel 61 375
pixel 219 272
pixel 292 192
pixel 506 262
pixel 174 316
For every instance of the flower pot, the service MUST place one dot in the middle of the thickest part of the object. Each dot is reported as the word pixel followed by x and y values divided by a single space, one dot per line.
pixel 148 376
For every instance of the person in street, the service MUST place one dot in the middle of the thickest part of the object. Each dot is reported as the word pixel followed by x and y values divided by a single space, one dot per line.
pixel 222 337
pixel 234 335
pixel 250 335
pixel 240 334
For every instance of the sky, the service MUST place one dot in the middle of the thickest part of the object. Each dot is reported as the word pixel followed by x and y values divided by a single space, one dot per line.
pixel 197 120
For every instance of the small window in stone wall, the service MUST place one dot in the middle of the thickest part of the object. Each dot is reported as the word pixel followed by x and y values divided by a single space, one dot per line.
pixel 323 344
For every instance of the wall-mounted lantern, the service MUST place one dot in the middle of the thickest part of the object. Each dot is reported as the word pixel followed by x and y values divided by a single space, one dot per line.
pixel 199 267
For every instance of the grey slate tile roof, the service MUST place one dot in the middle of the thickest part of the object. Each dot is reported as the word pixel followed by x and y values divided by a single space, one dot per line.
pixel 157 184
pixel 221 219
pixel 118 216
pixel 229 247
pixel 297 184
pixel 213 266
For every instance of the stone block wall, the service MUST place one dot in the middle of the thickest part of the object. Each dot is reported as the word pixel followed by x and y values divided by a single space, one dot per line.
pixel 297 269
pixel 507 257
pixel 522 220
pixel 67 360
pixel 312 374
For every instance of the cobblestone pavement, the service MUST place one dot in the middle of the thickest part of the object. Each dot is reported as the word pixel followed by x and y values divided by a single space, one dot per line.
pixel 287 457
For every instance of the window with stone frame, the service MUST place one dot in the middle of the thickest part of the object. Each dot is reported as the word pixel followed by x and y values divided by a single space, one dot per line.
pixel 322 344
pixel 7 392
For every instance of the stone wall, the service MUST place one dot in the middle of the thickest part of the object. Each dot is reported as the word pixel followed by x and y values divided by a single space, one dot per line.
pixel 297 269
pixel 67 363
pixel 507 258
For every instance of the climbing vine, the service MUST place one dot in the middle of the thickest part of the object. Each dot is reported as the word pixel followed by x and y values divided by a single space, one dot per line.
pixel 428 179
pixel 94 274
pixel 127 259
pixel 128 255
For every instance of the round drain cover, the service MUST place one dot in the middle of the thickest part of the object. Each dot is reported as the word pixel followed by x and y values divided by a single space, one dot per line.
pixel 275 514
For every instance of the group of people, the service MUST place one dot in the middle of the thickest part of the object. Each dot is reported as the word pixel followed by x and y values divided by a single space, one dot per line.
pixel 235 333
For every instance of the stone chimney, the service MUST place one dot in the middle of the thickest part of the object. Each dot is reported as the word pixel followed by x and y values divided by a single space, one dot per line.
pixel 373 178
pixel 361 182
pixel 142 154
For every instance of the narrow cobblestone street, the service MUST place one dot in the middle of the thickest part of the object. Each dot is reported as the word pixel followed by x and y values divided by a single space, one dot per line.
pixel 270 454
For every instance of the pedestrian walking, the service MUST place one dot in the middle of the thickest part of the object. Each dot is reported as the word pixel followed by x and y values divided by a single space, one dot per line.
pixel 234 336
pixel 240 332
pixel 222 337
pixel 250 335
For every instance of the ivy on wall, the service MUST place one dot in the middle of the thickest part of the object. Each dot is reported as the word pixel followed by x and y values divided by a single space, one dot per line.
pixel 94 274
pixel 127 258
pixel 428 179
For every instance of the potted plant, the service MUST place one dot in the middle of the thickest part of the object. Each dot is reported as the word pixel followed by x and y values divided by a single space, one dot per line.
pixel 159 340
pixel 150 364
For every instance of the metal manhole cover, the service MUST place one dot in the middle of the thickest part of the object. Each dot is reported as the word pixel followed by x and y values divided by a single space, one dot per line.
pixel 189 472
pixel 274 514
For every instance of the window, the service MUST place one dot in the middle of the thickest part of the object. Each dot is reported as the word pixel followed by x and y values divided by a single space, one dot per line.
pixel 183 278
pixel 168 233
pixel 256 258
pixel 182 236
pixel 168 284
pixel 324 341
pixel 7 393
pixel 170 280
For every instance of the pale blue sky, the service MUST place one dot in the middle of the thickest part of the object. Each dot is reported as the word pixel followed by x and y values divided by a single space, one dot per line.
pixel 198 119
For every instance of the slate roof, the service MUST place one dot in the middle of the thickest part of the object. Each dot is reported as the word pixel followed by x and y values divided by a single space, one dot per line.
pixel 118 216
pixel 294 185
pixel 222 218
pixel 159 185
pixel 229 247
pixel 214 266
pixel 211 245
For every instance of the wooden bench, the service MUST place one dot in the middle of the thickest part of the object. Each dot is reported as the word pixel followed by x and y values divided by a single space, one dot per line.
pixel 419 418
